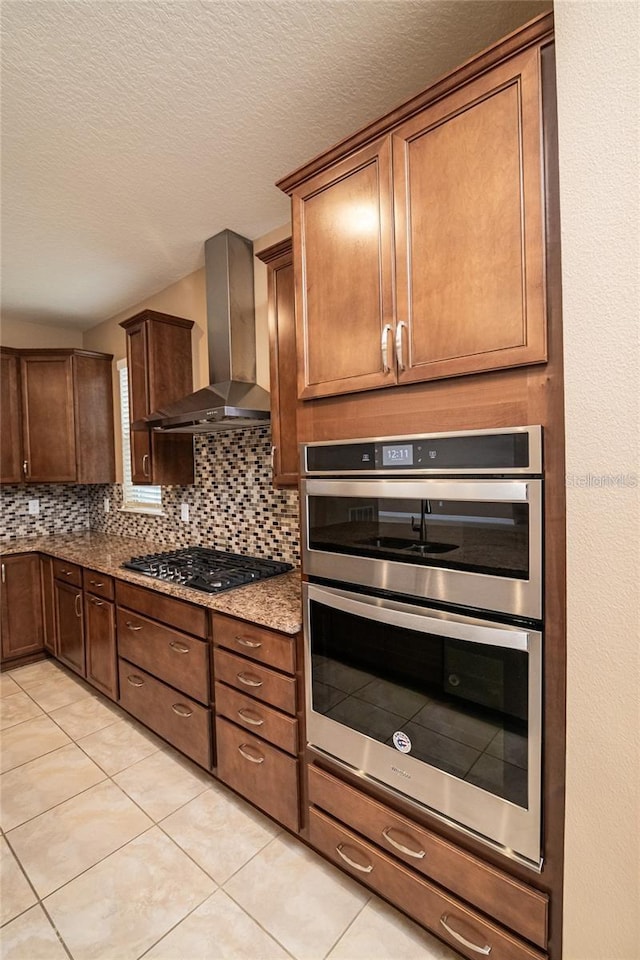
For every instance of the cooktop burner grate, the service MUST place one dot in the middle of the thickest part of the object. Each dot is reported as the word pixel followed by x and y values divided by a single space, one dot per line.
pixel 209 570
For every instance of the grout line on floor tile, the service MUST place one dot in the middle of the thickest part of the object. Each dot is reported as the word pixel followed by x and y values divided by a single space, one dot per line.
pixel 60 802
pixel 57 932
pixel 257 922
pixel 26 876
pixel 352 921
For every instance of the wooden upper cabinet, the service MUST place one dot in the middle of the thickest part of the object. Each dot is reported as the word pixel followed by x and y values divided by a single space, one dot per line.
pixel 66 420
pixel 10 420
pixel 282 355
pixel 469 241
pixel 160 372
pixel 419 246
pixel 342 234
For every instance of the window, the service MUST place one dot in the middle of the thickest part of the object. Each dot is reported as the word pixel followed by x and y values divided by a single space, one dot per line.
pixel 141 499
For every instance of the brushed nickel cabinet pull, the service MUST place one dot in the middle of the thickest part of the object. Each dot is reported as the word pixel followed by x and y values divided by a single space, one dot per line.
pixel 133 626
pixel 135 680
pixel 96 602
pixel 243 714
pixel 273 459
pixel 4 576
pixel 66 573
pixel 418 854
pixel 78 605
pixel 96 583
pixel 248 681
pixel 181 710
pixel 485 951
pixel 254 644
pixel 248 756
pixel 25 467
pixel 384 347
pixel 399 352
pixel 352 863
pixel 145 464
pixel 178 647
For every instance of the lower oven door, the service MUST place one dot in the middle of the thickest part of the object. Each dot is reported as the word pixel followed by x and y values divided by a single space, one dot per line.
pixel 441 708
pixel 473 543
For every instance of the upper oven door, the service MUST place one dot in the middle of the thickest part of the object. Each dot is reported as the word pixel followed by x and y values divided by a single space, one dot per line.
pixel 474 543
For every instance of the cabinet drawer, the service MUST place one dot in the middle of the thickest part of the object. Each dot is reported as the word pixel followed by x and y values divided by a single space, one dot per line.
pixel 466 931
pixel 257 718
pixel 258 681
pixel 259 772
pixel 274 649
pixel 180 720
pixel 175 657
pixel 67 572
pixel 511 902
pixel 98 584
pixel 177 613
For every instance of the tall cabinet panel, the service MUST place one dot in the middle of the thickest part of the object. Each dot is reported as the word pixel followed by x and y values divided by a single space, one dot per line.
pixel 282 353
pixel 48 418
pixel 10 431
pixel 160 372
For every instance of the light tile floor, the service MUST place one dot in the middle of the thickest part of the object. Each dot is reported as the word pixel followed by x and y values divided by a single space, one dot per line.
pixel 115 847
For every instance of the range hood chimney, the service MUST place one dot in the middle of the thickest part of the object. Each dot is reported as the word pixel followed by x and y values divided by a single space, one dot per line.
pixel 233 400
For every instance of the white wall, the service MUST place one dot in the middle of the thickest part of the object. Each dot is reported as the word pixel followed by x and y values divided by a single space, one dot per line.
pixel 598 85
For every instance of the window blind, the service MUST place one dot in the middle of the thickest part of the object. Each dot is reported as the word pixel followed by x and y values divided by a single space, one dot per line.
pixel 147 497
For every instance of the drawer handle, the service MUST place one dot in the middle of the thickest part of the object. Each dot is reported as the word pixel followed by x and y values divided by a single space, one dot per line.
pixel 254 644
pixel 133 626
pixel 248 681
pixel 178 647
pixel 352 863
pixel 78 605
pixel 96 583
pixel 66 573
pixel 485 951
pixel 181 710
pixel 418 854
pixel 97 603
pixel 244 715
pixel 135 680
pixel 248 756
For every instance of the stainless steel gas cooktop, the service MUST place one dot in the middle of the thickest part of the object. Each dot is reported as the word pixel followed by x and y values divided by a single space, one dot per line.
pixel 209 570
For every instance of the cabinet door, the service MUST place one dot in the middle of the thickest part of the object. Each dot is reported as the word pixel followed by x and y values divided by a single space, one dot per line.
pixel 20 606
pixel 342 241
pixel 468 204
pixel 48 422
pixel 70 627
pixel 48 605
pixel 139 402
pixel 100 635
pixel 10 426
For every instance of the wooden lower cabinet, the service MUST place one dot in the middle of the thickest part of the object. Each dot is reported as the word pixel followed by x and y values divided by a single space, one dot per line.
pixel 518 906
pixel 260 772
pixel 259 719
pixel 101 652
pixel 258 681
pixel 21 623
pixel 169 713
pixel 467 931
pixel 70 625
pixel 48 606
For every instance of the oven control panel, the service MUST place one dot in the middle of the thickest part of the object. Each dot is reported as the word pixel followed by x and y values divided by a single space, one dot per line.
pixel 517 450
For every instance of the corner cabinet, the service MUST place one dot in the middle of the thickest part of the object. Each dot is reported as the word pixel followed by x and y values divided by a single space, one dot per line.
pixel 421 255
pixel 160 372
pixel 57 417
pixel 282 354
pixel 21 627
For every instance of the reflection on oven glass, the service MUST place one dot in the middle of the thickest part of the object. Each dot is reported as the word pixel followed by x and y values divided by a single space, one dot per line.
pixel 444 753
pixel 463 727
pixel 392 697
pixel 366 718
pixel 500 778
pixel 339 675
pixel 509 746
pixel 325 697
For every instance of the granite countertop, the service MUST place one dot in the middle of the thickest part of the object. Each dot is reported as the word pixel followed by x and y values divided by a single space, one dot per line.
pixel 273 603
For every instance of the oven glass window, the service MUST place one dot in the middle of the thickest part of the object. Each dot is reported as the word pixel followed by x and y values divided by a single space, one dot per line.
pixel 460 706
pixel 480 537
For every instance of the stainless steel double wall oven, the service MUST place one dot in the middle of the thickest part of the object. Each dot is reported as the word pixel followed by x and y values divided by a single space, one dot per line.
pixel 423 622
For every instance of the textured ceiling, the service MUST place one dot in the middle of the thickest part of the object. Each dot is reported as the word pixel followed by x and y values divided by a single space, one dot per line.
pixel 132 130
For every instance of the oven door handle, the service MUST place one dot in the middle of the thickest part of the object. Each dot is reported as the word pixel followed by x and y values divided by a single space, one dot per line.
pixel 415 618
pixel 483 491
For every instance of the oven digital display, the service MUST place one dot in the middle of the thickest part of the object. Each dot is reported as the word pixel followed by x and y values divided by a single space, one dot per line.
pixel 397 455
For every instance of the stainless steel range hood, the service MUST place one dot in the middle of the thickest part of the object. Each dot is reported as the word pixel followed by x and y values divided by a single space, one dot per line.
pixel 233 400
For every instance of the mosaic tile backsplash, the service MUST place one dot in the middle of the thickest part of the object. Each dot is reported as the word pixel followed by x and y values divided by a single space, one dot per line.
pixel 232 504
